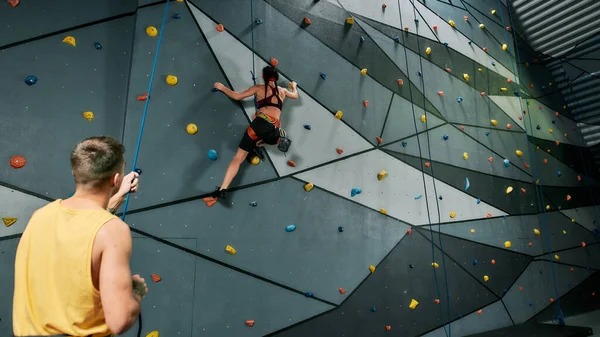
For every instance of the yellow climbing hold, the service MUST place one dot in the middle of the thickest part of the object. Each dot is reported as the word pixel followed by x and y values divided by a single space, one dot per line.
pixel 493 11
pixel 372 268
pixel 191 129
pixel 363 72
pixel 536 231
pixel 308 187
pixel 472 231
pixel 486 278
pixel 383 211
pixel 466 77
pixel 564 232
pixel 547 207
pixel 339 114
pixel 550 130
pixel 507 244
pixel 172 80
pixel 556 257
pixel 465 156
pixel 350 21
pixel 435 265
pixel 479 69
pixel 9 221
pixel 451 23
pixel 255 160
pixel 509 189
pixel 151 31
pixel 230 250
pixel 152 334
pixel 572 220
pixel 453 215
pixel 494 122
pixel 382 174
pixel 428 51
pixel 423 118
pixel 88 115
pixel 481 25
pixel 70 40
pixel 504 47
pixel 413 304
pixel 519 153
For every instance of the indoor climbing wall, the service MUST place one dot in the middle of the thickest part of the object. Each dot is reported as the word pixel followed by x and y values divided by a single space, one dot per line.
pixel 436 184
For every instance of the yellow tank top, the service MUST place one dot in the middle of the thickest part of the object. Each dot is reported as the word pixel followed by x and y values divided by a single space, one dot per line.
pixel 54 292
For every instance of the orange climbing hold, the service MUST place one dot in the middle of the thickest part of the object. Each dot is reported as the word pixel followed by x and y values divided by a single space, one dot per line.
pixel 493 261
pixel 156 278
pixel 490 159
pixel 440 93
pixel 489 215
pixel 142 98
pixel 436 301
pixel 508 126
pixel 479 311
pixel 485 49
pixel 531 85
pixel 520 288
pixel 462 127
pixel 291 163
pixel 342 291
pixel 583 244
pixel 568 197
pixel 482 94
pixel 578 178
pixel 379 140
pixel 427 164
pixel 220 28
pixel 365 103
pixel 448 70
pixel 307 21
pixel 17 162
pixel 409 231
pixel 274 62
pixel 14 3
pixel 400 82
pixel 388 328
pixel 557 144
pixel 339 150
pixel 250 322
pixel 556 113
pixel 526 165
pixel 210 201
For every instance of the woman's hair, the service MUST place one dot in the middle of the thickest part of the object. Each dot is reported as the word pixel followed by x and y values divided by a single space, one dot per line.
pixel 270 74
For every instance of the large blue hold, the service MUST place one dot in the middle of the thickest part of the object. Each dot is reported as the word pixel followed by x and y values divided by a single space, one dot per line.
pixel 212 155
pixel 355 191
pixel 31 80
pixel 506 162
pixel 290 228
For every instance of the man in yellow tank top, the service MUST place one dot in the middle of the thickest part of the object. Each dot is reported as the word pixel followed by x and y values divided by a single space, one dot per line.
pixel 72 275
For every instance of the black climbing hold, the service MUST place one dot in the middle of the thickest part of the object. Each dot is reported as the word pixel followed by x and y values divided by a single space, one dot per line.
pixel 411 266
pixel 517 93
pixel 31 80
pixel 97 45
pixel 404 144
pixel 259 21
pixel 440 197
pixel 362 39
pixel 176 16
pixel 397 38
pixel 138 171
pixel 538 127
pixel 215 89
pixel 445 137
pixel 553 121
pixel 307 126
pixel 373 309
pixel 340 229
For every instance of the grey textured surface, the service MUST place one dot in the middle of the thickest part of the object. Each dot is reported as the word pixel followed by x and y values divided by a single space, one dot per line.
pixel 45 121
pixel 174 163
pixel 34 18
pixel 538 288
pixel 307 259
pixel 492 317
pixel 451 152
pixel 404 120
pixel 589 217
pixel 585 257
pixel 8 250
pixel 18 205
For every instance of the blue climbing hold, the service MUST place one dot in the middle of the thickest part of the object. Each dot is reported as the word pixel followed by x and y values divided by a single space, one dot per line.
pixel 493 63
pixel 259 21
pixel 446 44
pixel 253 204
pixel 478 201
pixel 404 144
pixel 373 309
pixel 416 20
pixel 420 73
pixel 97 45
pixel 517 93
pixel 467 184
pixel 212 155
pixel 290 228
pixel 530 303
pixel 554 121
pixel 323 75
pixel 474 262
pixel 215 89
pixel 411 266
pixel 340 229
pixel 355 191
pixel 440 197
pixel 445 137
pixel 558 173
pixel 31 80
pixel 309 294
pixel 459 99
pixel 307 126
pixel 176 16
pixel 506 162
pixel 362 39
pixel 418 196
pixel 397 38
pixel 487 133
pixel 505 290
pixel 531 205
pixel 138 171
pixel 543 87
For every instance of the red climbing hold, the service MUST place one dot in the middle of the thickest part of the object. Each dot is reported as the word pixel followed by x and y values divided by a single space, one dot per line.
pixel 409 231
pixel 156 278
pixel 220 27
pixel 520 288
pixel 526 165
pixel 14 3
pixel 530 244
pixel 365 103
pixel 593 293
pixel 400 82
pixel 583 244
pixel 462 127
pixel 388 327
pixel 379 140
pixel 436 301
pixel 568 197
pixel 210 201
pixel 578 178
pixel 520 118
pixel 485 49
pixel 291 163
pixel 142 98
pixel 384 6
pixel 17 162
pixel 427 164
pixel 540 107
pixel 523 190
pixel 307 21
pixel 448 70
pixel 274 62
pixel 493 261
pixel 339 150
pixel 556 113
pixel 545 160
pixel 342 291
pixel 479 311
pixel 531 85
pixel 250 322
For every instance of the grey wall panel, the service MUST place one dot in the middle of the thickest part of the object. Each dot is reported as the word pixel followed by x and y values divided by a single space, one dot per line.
pixel 482 186
pixel 404 120
pixel 38 17
pixel 571 155
pixel 485 7
pixel 8 250
pixel 580 197
pixel 18 205
pixel 451 151
pixel 45 121
pixel 585 257
pixel 173 161
pixel 282 39
pixel 502 266
pixel 589 217
pixel 390 291
pixel 538 288
pixel 265 248
pixel 494 316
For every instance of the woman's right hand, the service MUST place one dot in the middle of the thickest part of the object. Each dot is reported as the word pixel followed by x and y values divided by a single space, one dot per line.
pixel 219 86
pixel 293 84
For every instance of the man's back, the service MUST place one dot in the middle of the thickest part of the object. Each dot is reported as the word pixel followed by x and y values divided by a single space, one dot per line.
pixel 54 289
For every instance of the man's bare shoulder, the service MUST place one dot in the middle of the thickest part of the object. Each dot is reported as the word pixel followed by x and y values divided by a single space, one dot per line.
pixel 114 229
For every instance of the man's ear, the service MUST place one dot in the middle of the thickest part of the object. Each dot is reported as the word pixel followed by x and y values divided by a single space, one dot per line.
pixel 116 181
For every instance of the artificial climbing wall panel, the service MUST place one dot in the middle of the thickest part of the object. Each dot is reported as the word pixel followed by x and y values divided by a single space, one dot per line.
pixel 320 246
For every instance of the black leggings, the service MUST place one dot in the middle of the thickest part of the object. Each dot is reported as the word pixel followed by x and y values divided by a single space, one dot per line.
pixel 264 130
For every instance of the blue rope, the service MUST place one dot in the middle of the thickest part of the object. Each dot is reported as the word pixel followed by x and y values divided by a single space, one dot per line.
pixel 139 140
pixel 559 318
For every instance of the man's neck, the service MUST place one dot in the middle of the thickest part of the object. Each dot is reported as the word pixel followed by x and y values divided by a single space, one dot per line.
pixel 86 199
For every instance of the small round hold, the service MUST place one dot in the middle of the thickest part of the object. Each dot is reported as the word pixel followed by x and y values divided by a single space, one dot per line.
pixel 151 31
pixel 191 129
pixel 340 229
pixel 259 21
pixel 97 45
pixel 17 162
pixel 323 75
pixel 373 309
pixel 253 204
pixel 362 39
pixel 30 80
pixel 290 228
pixel 459 99
pixel 309 294
pixel 474 262
pixel 440 197
pixel 138 171
pixel 445 137
pixel 176 16
pixel 212 155
pixel 171 80
pixel 411 266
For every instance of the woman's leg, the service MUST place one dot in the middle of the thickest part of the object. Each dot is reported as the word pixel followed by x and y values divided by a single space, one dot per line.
pixel 233 168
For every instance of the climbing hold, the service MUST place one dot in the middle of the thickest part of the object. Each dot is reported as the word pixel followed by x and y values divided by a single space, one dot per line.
pixel 355 191
pixel 583 244
pixel 342 291
pixel 372 268
pixel 427 164
pixel 153 334
pixel 523 190
pixel 465 156
pixel 253 204
pixel 504 47
pixel 472 231
pixel 30 80
pixel 503 89
pixel 9 221
pixel 508 126
pixel 550 130
pixel 212 155
pixel 435 265
pixel 418 196
pixel 230 250
pixel 490 159
pixel 350 21
pixel 413 304
pixel 420 73
pixel 435 27
pixel 536 231
pixel 452 215
pixel 556 257
pixel 478 201
pixel 578 178
pixel 363 71
pixel 308 187
pixel 475 262
pixel 381 175
pixel 445 137
pixel 274 62
pixel 440 197
pixel 14 3
pixel 155 278
pixel 339 114
pixel 152 31
pixel 97 45
pixel 388 327
pixel 219 28
pixel 191 128
pixel 411 266
pixel 404 143
pixel 451 23
pixel 459 99
pixel 564 232
pixel 365 103
pixel 171 80
pixel 440 93
pixel 339 150
pixel 397 38
pixel 482 26
pixel 323 75
pixel 466 18
pixel 462 127
pixel 144 97
pixel 17 162
pixel 526 165
pixel 340 229
pixel 448 70
pixel 494 122
pixel 383 211
pixel 436 301
pixel 507 244
pixel 486 278
pixel 70 40
pixel 176 16
pixel 558 173
pixel 307 126
pixel 568 197
pixel 373 309
pixel 467 184
pixel 384 6
pixel 291 163
pixel 506 162
pixel 290 228
pixel 250 322
pixel 428 51
pixel 482 93
pixel 309 294
pixel 519 153
pixel 423 118
pixel 479 69
pixel 509 189
pixel 88 115
pixel 485 49
pixel 466 77
pixel 545 160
